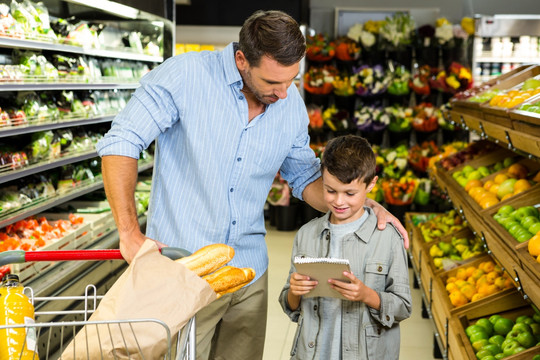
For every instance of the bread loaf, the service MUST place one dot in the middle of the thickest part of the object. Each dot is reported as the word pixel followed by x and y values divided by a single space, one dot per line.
pixel 208 258
pixel 229 279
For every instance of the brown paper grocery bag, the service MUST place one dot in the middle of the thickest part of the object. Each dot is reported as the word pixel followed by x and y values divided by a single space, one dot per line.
pixel 152 287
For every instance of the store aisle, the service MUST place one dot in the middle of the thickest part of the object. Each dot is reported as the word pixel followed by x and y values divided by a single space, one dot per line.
pixel 416 332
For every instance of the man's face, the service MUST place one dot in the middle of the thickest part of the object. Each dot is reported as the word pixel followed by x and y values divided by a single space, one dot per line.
pixel 269 81
pixel 345 201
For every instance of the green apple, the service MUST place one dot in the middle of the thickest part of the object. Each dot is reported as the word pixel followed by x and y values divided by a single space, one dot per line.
pixel 527 211
pixel 482 354
pixel 471 329
pixel 493 348
pixel 499 356
pixel 474 175
pixel 496 339
pixel 467 169
pixel 505 210
pixel 528 221
pixel 525 236
pixel 498 166
pixel 521 327
pixel 457 174
pixel 507 224
pixel 462 180
pixel 486 324
pixel 479 344
pixel 510 347
pixel 503 326
pixel 535 228
pixel 526 339
pixel 536 317
pixel 535 327
pixel 477 335
pixel 508 161
pixel 483 170
pixel 523 319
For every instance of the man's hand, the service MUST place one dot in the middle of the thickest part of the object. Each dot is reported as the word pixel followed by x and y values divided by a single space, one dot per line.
pixel 383 217
pixel 130 245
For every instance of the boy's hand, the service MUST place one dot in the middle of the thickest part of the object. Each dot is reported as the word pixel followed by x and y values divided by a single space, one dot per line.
pixel 301 284
pixel 356 290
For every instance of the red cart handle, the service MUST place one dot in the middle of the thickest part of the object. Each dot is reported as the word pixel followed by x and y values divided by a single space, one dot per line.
pixel 20 256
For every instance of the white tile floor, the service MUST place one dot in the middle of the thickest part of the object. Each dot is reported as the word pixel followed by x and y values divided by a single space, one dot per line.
pixel 416 332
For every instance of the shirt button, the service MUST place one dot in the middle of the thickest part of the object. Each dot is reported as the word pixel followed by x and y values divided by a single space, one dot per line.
pixel 379 269
pixel 311 344
pixel 241 97
pixel 387 318
pixel 327 236
pixel 234 222
pixel 239 159
pixel 315 307
pixel 232 190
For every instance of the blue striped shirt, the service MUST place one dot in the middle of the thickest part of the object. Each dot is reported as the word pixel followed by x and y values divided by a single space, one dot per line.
pixel 213 168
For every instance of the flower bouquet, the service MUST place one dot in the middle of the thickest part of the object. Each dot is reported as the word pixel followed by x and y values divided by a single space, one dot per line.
pixel 371 81
pixel 400 124
pixel 337 120
pixel 319 79
pixel 316 123
pixel 395 161
pixel 371 121
pixel 420 81
pixel 367 36
pixel 397 32
pixel 319 48
pixel 344 90
pixel 419 155
pixel 399 80
pixel 399 194
pixel 426 117
pixel 347 49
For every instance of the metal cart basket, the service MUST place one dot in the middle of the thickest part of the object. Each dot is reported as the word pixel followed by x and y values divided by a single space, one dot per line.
pixel 54 337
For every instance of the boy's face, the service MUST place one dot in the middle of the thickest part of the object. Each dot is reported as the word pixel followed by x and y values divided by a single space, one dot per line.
pixel 345 201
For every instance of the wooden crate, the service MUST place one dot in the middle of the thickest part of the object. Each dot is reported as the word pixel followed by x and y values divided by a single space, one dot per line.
pixel 415 237
pixel 467 319
pixel 525 142
pixel 528 279
pixel 443 310
pixel 525 121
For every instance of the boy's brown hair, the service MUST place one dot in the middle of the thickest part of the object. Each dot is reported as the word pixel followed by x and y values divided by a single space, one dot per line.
pixel 348 158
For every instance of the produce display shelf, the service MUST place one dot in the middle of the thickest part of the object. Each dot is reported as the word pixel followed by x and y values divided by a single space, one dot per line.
pixel 53 201
pixel 9 42
pixel 9 175
pixel 9 86
pixel 50 124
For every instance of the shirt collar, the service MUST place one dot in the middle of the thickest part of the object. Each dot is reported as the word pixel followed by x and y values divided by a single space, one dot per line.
pixel 231 71
pixel 364 232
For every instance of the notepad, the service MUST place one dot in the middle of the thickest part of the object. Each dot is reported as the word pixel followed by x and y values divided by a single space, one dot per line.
pixel 322 269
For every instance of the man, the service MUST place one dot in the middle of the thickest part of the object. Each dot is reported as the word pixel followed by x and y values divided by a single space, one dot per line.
pixel 226 122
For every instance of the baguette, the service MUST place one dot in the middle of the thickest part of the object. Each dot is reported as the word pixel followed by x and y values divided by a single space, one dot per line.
pixel 229 279
pixel 208 258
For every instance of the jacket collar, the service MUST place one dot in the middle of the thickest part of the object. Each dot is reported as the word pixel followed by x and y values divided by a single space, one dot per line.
pixel 363 233
pixel 232 75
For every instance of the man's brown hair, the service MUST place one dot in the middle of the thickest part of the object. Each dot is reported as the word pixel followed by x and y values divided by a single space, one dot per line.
pixel 348 158
pixel 272 33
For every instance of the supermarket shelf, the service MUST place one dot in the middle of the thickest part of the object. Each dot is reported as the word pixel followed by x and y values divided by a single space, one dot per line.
pixel 42 45
pixel 53 201
pixel 44 166
pixel 52 125
pixel 66 86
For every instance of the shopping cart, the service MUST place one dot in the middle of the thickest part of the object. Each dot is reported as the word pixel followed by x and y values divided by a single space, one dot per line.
pixel 55 336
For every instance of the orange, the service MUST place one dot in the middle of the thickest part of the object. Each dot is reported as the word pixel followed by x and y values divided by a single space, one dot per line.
pixel 477 297
pixel 499 282
pixel 508 283
pixel 475 192
pixel 481 281
pixel 521 185
pixel 520 171
pixel 487 266
pixel 508 196
pixel 491 276
pixel 536 177
pixel 499 178
pixel 477 274
pixel 451 287
pixel 534 245
pixel 487 289
pixel 451 279
pixel 488 201
pixel 473 183
pixel 468 290
pixel 470 270
pixel 494 188
pixel 488 184
pixel 459 283
pixel 461 274
pixel 457 298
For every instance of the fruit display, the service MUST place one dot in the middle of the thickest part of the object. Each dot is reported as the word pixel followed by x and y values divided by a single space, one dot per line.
pixel 441 225
pixel 498 336
pixel 515 96
pixel 474 282
pixel 449 254
pixel 534 246
pixel 533 107
pixel 521 223
pixel 472 151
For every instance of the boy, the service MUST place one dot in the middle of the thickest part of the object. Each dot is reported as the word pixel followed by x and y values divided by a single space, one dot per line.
pixel 366 325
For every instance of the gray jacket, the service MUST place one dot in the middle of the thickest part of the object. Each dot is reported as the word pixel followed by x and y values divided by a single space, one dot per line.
pixel 376 257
